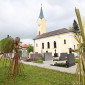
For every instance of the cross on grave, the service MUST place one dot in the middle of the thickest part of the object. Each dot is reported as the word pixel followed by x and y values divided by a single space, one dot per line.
pixel 55 54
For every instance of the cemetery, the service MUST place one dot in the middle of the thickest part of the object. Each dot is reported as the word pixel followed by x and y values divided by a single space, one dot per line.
pixel 56 58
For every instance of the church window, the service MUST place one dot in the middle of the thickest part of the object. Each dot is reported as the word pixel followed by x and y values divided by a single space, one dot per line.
pixel 48 45
pixel 74 46
pixel 54 44
pixel 64 41
pixel 36 45
pixel 39 32
pixel 42 45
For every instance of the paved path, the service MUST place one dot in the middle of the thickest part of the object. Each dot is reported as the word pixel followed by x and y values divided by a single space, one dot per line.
pixel 47 65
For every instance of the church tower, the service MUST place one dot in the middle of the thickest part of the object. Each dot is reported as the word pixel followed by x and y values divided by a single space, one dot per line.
pixel 41 23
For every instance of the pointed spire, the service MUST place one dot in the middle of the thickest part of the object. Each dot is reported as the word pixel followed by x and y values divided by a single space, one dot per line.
pixel 41 16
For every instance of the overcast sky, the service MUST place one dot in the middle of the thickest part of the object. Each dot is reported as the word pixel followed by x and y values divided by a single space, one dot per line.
pixel 19 17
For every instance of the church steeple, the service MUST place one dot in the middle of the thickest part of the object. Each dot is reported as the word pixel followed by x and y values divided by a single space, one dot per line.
pixel 41 16
pixel 41 23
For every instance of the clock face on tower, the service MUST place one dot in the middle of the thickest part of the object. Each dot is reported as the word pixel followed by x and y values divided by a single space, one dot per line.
pixel 39 25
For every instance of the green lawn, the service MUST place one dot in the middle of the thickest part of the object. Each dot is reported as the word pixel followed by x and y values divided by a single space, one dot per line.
pixel 37 76
pixel 38 62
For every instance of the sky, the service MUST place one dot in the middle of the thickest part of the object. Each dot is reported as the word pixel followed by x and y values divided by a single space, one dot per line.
pixel 18 18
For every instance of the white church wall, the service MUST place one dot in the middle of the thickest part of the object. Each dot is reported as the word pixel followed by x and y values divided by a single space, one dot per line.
pixel 61 47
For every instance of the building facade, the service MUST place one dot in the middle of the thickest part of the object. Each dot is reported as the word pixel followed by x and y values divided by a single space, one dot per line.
pixel 60 40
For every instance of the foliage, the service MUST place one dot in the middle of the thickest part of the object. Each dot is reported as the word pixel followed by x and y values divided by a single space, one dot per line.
pixel 38 62
pixel 19 51
pixel 6 45
pixel 37 76
pixel 40 58
pixel 29 60
pixel 77 60
pixel 75 26
pixel 60 64
pixel 30 48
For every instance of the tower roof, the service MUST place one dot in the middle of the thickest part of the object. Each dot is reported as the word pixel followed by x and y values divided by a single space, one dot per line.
pixel 41 16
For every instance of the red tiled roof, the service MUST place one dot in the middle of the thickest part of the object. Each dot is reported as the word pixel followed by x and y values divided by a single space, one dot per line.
pixel 25 46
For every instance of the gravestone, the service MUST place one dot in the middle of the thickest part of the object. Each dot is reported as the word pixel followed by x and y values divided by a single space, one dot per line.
pixel 70 50
pixel 4 55
pixel 70 59
pixel 35 56
pixel 63 56
pixel 24 52
pixel 47 56
pixel 20 54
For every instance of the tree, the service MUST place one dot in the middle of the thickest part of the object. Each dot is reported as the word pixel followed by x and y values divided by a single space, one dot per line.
pixel 30 48
pixel 6 45
pixel 75 26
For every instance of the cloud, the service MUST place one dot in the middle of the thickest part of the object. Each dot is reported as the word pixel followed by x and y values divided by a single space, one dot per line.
pixel 27 41
pixel 19 17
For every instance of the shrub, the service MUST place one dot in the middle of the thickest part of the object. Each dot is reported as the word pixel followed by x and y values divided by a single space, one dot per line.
pixel 30 49
pixel 6 45
pixel 20 51
pixel 40 58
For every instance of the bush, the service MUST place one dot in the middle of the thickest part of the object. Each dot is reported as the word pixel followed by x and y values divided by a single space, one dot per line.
pixel 38 62
pixel 40 58
pixel 20 51
pixel 29 60
pixel 6 45
pixel 77 60
pixel 60 64
pixel 30 49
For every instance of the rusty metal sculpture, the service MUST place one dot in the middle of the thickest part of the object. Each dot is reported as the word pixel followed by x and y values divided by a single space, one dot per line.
pixel 15 66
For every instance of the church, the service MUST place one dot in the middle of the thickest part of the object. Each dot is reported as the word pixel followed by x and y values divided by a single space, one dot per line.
pixel 60 40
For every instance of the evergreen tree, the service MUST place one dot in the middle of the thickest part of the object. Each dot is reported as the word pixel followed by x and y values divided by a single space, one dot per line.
pixel 75 26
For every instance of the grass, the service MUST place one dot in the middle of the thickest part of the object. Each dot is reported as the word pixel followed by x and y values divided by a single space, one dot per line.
pixel 37 76
pixel 41 62
pixel 76 61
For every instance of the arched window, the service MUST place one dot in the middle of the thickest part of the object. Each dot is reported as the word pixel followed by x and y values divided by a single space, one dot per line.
pixel 36 45
pixel 74 46
pixel 64 41
pixel 54 44
pixel 42 45
pixel 48 45
pixel 39 32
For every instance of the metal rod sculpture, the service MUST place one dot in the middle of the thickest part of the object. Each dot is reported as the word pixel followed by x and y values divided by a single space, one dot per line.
pixel 80 37
pixel 16 67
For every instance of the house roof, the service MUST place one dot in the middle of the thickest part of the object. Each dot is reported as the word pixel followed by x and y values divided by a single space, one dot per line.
pixel 52 33
pixel 41 16
pixel 25 46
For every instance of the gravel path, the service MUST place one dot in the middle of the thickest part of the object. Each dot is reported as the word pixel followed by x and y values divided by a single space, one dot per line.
pixel 47 64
